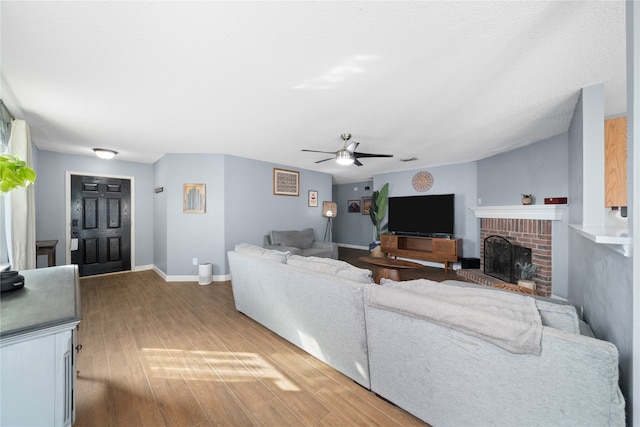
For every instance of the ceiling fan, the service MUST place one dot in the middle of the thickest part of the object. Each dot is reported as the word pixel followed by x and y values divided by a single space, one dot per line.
pixel 347 154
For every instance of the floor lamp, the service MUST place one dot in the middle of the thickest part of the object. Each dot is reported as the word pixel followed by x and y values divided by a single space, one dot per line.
pixel 329 211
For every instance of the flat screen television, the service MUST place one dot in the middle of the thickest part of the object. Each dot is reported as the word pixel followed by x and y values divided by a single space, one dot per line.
pixel 431 215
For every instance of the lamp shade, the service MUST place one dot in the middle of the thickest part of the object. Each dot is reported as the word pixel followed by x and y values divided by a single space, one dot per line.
pixel 329 209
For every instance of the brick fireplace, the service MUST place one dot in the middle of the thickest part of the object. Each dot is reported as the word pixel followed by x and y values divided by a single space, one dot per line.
pixel 534 234
pixel 526 226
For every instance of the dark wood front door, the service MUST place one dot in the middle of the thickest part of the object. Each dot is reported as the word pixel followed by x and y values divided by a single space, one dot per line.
pixel 101 221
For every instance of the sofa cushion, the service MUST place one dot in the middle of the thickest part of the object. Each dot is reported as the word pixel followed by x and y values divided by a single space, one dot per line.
pixel 559 316
pixel 270 254
pixel 317 252
pixel 555 315
pixel 331 267
pixel 508 320
pixel 299 239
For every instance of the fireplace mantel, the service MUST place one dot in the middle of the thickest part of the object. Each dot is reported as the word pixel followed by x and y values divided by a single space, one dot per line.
pixel 548 212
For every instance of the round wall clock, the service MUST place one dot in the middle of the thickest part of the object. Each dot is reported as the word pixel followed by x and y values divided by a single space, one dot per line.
pixel 422 181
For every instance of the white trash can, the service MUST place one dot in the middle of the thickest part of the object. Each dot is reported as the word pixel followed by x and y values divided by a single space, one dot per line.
pixel 205 273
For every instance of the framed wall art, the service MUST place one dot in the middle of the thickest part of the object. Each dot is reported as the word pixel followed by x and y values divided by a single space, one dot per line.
pixel 193 198
pixel 366 205
pixel 286 182
pixel 313 198
pixel 353 206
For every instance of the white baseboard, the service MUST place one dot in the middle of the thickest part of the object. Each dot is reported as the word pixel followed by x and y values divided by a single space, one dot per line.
pixel 189 278
pixel 216 278
pixel 160 273
pixel 144 267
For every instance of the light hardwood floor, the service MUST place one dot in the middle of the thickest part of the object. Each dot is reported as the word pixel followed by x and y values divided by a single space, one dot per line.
pixel 179 354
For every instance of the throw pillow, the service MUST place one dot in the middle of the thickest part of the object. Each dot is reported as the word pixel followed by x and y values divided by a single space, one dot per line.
pixel 332 267
pixel 558 316
pixel 270 254
pixel 309 264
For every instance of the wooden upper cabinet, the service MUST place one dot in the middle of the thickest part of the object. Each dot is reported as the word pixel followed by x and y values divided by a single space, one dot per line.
pixel 615 162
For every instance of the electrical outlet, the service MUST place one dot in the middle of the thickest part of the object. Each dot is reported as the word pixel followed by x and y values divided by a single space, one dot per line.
pixel 195 261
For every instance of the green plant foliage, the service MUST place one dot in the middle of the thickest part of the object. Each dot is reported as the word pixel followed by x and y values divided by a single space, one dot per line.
pixel 14 173
pixel 379 209
pixel 527 271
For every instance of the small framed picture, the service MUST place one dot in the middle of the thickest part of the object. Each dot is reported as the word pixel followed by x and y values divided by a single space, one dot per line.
pixel 313 198
pixel 285 182
pixel 353 206
pixel 193 198
pixel 366 205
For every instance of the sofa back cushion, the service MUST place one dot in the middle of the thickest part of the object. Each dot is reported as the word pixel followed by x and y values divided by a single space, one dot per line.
pixel 332 267
pixel 270 254
pixel 298 239
pixel 559 316
pixel 554 314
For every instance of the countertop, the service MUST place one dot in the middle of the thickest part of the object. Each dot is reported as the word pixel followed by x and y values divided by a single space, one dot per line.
pixel 50 297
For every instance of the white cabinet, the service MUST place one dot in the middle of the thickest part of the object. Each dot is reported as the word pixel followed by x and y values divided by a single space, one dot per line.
pixel 38 327
pixel 37 379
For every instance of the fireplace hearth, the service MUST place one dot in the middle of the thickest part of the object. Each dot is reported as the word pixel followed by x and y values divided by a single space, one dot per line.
pixel 534 235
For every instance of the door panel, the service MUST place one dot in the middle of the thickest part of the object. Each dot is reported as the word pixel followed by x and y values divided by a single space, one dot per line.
pixel 101 220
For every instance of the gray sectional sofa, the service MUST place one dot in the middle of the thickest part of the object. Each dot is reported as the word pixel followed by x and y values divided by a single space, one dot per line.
pixel 452 354
pixel 311 303
pixel 300 242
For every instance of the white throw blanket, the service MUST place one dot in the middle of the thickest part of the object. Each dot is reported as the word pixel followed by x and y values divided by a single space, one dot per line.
pixel 510 321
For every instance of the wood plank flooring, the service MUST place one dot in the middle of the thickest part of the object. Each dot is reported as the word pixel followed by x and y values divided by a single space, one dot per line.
pixel 179 354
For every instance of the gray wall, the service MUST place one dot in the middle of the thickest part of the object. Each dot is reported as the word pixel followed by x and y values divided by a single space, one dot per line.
pixel 540 169
pixel 50 198
pixel 160 225
pixel 633 159
pixel 459 179
pixel 600 279
pixel 352 229
pixel 190 235
pixel 251 209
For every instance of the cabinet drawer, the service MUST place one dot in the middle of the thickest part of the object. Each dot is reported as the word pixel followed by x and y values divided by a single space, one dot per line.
pixel 444 246
pixel 388 241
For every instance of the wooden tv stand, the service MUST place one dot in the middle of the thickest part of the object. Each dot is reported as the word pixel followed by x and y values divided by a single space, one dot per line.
pixel 435 249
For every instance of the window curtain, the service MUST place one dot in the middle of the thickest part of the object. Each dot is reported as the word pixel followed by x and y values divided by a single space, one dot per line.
pixel 20 213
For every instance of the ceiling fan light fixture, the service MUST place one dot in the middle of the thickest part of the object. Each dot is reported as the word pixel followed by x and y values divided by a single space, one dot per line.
pixel 104 153
pixel 344 158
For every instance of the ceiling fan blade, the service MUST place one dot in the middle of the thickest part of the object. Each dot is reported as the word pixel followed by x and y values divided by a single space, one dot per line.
pixel 357 162
pixel 352 147
pixel 330 158
pixel 316 151
pixel 358 155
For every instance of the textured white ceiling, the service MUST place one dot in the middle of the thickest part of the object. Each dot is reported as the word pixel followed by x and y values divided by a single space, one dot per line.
pixel 444 82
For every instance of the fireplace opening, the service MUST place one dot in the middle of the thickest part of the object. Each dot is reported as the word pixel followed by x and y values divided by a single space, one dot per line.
pixel 501 258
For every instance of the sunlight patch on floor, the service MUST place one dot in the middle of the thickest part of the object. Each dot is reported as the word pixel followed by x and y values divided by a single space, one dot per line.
pixel 214 366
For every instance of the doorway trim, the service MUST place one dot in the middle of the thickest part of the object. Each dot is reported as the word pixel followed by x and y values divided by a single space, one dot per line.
pixel 67 197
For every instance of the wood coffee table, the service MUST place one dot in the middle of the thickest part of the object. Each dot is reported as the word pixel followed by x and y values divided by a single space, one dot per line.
pixel 389 268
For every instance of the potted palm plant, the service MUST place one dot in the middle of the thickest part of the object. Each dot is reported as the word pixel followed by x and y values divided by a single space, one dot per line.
pixel 377 214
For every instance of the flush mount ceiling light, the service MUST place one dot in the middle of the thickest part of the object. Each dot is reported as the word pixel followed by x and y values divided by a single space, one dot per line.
pixel 103 153
pixel 344 157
